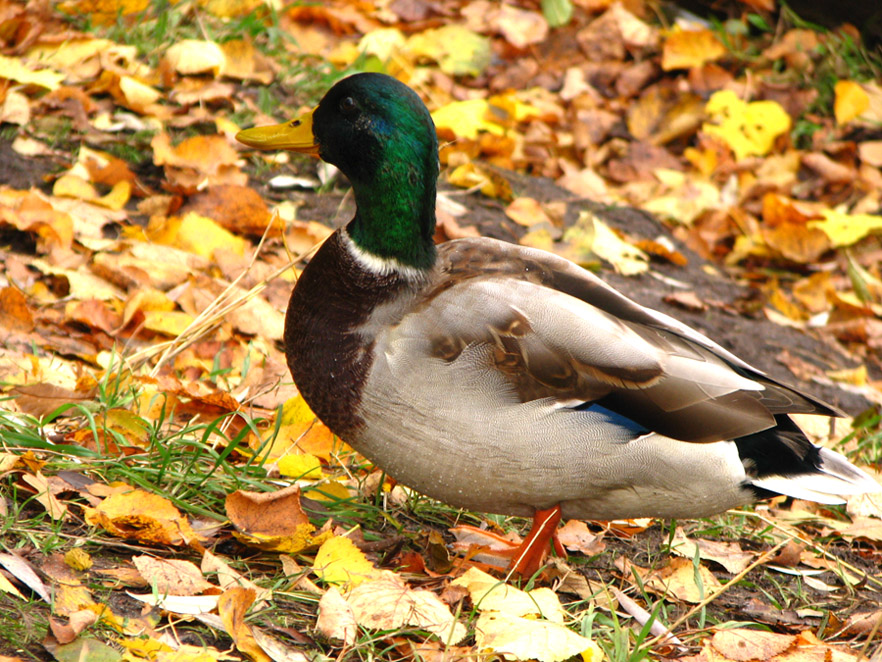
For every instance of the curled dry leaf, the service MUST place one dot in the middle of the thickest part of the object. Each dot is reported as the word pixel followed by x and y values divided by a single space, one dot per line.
pixel 144 516
pixel 232 606
pixel 272 520
pixel 727 554
pixel 575 535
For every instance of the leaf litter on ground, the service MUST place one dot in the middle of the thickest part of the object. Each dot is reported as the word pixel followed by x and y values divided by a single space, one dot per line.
pixel 147 238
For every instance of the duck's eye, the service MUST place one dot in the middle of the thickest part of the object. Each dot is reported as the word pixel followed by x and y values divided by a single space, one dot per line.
pixel 348 106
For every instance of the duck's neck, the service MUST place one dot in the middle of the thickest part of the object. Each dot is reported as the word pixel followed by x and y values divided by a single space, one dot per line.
pixel 395 221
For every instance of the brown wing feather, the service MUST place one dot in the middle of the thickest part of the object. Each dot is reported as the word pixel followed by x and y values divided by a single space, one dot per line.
pixel 671 379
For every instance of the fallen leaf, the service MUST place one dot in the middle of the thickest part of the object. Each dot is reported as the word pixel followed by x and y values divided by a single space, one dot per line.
pixel 14 69
pixel 527 212
pixel 851 100
pixel 24 572
pixel 172 576
pixel 845 229
pixel 684 49
pixel 520 27
pixel 457 50
pixel 339 561
pixel 747 128
pixel 591 236
pixel 678 579
pixel 196 56
pixel 389 604
pixel 742 645
pixel 727 554
pixel 491 594
pixel 232 606
pixel 528 639
pixel 143 516
pixel 272 520
pixel 336 621
pixel 575 535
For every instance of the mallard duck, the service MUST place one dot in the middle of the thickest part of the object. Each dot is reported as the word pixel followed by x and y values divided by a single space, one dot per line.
pixel 505 379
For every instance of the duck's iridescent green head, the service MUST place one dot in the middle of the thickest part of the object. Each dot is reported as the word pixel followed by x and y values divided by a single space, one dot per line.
pixel 381 136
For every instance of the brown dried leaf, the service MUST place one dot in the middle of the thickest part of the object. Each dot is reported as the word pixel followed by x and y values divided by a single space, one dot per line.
pixel 575 535
pixel 744 645
pixel 237 208
pixel 389 604
pixel 172 576
pixel 727 554
pixel 68 591
pixel 336 621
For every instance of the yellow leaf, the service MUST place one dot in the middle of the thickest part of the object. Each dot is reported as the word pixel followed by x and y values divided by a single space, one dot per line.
pixel 747 128
pixel 527 212
pixel 8 587
pixel 591 236
pixel 73 186
pixel 527 639
pixel 168 322
pixel 384 43
pixel 70 54
pixel 143 516
pixel 295 410
pixel 232 606
pixel 291 543
pixel 851 101
pixel 78 558
pixel 457 50
pixel 138 95
pixel 854 376
pixel 118 196
pixel 197 234
pixel 467 118
pixel 339 561
pixel 846 229
pixel 471 175
pixel 301 430
pixel 331 490
pixel 230 8
pixel 678 580
pixel 685 49
pixel 104 12
pixel 305 466
pixel 491 594
pixel 196 56
pixel 15 70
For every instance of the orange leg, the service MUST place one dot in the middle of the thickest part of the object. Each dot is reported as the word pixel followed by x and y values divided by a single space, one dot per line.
pixel 528 558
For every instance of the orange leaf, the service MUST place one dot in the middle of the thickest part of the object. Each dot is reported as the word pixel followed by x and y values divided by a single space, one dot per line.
pixel 144 516
pixel 232 607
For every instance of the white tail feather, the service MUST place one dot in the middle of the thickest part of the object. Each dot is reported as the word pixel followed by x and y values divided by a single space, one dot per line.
pixel 836 477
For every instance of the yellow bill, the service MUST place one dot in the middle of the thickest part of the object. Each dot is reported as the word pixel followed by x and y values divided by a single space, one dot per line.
pixel 294 135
